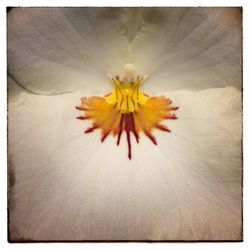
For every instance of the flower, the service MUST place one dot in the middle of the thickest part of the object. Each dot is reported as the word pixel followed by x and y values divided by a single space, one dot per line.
pixel 65 185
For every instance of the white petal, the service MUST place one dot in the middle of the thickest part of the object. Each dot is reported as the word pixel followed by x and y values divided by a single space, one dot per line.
pixel 57 50
pixel 69 186
pixel 190 48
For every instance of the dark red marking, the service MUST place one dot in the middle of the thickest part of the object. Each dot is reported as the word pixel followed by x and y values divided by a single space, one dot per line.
pixel 80 108
pixel 173 108
pixel 131 122
pixel 127 123
pixel 120 129
pixel 171 117
pixel 104 136
pixel 151 137
pixel 162 127
pixel 91 129
pixel 129 144
pixel 83 117
pixel 129 127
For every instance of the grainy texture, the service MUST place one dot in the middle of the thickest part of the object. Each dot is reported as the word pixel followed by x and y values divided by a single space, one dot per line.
pixel 65 185
pixel 60 50
pixel 69 186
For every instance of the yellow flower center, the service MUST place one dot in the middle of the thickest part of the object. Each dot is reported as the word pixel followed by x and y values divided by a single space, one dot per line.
pixel 127 95
pixel 127 109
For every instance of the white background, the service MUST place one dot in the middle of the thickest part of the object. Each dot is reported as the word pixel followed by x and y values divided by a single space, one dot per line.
pixel 3 123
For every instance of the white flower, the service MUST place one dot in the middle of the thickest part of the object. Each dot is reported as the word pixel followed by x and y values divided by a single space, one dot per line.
pixel 66 185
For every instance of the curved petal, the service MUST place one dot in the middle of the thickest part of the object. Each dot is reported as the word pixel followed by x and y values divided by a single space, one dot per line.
pixel 58 50
pixel 69 186
pixel 190 48
pixel 55 50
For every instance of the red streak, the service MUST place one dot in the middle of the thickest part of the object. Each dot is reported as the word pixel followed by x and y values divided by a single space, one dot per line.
pixel 129 144
pixel 120 129
pixel 171 117
pixel 127 123
pixel 104 136
pixel 83 117
pixel 151 137
pixel 89 130
pixel 129 127
pixel 162 127
pixel 80 108
pixel 173 108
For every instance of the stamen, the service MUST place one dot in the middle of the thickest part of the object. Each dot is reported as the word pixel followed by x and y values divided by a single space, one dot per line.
pixel 127 109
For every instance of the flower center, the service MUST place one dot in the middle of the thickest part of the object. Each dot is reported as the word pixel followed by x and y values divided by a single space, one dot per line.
pixel 127 95
pixel 127 109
